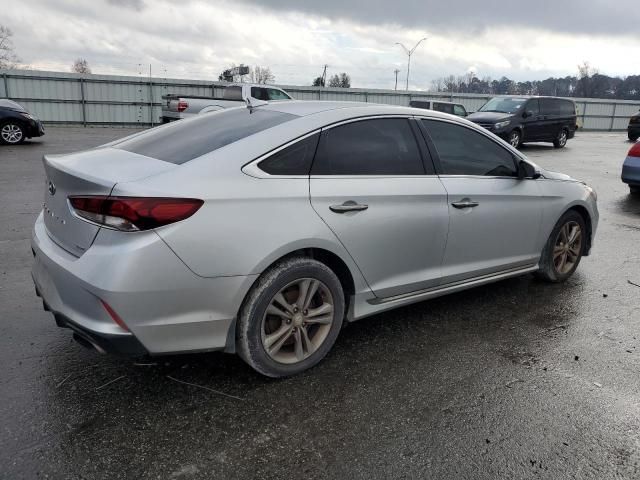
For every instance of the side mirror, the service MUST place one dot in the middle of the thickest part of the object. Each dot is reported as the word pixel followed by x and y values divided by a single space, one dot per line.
pixel 526 170
pixel 527 114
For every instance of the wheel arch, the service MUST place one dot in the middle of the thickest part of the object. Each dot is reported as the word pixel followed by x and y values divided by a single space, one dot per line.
pixel 586 216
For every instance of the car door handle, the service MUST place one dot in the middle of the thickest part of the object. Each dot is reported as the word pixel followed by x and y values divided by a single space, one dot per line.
pixel 349 206
pixel 465 204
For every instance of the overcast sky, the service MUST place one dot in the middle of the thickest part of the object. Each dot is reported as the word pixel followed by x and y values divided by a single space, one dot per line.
pixel 197 39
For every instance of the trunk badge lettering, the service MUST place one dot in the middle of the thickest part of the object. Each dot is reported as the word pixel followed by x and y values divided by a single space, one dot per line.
pixel 51 188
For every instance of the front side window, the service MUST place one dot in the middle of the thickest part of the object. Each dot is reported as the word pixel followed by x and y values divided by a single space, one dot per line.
pixel 533 107
pixel 459 110
pixel 384 146
pixel 294 160
pixel 463 151
pixel 275 94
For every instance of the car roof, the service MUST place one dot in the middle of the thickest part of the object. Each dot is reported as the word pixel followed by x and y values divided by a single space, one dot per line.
pixel 304 108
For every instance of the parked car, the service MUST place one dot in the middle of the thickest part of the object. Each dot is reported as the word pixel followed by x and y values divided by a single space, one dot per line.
pixel 445 107
pixel 519 120
pixel 634 127
pixel 16 124
pixel 176 107
pixel 260 231
pixel 631 169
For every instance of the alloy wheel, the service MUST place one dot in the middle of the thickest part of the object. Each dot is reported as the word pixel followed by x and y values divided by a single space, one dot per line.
pixel 297 321
pixel 568 247
pixel 514 139
pixel 11 133
pixel 562 138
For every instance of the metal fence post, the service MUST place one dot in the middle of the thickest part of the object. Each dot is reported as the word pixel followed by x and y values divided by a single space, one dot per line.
pixel 151 101
pixel 6 85
pixel 84 108
pixel 613 117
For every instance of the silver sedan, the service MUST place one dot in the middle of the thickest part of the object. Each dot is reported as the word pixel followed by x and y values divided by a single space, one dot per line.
pixel 263 230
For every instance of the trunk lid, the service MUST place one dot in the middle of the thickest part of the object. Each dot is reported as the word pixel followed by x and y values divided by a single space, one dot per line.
pixel 92 172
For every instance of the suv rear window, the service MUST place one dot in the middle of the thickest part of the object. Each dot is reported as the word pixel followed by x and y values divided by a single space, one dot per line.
pixel 185 140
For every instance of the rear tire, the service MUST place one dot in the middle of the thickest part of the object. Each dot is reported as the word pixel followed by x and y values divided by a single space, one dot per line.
pixel 564 248
pixel 11 133
pixel 290 318
pixel 561 139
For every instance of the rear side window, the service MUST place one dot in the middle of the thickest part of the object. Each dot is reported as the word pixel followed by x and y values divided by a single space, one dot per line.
pixel 419 104
pixel 384 146
pixel 185 140
pixel 567 108
pixel 443 107
pixel 259 93
pixel 296 159
pixel 463 151
pixel 232 93
pixel 550 106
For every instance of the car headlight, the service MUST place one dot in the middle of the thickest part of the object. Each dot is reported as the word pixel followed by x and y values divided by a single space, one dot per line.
pixel 591 191
pixel 503 124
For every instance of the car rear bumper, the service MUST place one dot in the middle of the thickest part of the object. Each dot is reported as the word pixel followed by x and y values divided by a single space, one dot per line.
pixel 165 306
pixel 631 171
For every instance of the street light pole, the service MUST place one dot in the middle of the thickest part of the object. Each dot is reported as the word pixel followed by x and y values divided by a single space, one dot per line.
pixel 409 53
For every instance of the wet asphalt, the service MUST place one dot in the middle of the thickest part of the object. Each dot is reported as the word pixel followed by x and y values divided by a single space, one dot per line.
pixel 518 379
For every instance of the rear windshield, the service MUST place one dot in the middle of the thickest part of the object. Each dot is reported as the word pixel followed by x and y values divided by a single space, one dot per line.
pixel 185 140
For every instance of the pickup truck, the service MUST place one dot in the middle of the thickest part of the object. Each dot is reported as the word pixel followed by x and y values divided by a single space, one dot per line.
pixel 176 106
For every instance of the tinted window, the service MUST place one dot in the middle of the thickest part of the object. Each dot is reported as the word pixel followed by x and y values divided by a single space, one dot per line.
pixel 419 104
pixel 550 106
pixel 567 108
pixel 294 160
pixel 532 106
pixel 503 104
pixel 443 107
pixel 275 94
pixel 259 93
pixel 383 146
pixel 185 140
pixel 465 152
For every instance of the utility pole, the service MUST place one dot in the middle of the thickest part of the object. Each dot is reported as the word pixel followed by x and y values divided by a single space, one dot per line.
pixel 396 71
pixel 409 53
pixel 324 76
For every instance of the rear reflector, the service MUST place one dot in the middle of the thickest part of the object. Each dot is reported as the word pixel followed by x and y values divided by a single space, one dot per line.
pixel 182 105
pixel 114 316
pixel 635 150
pixel 132 214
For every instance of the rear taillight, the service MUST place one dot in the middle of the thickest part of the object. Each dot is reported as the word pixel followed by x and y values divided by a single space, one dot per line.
pixel 114 316
pixel 635 150
pixel 182 105
pixel 131 214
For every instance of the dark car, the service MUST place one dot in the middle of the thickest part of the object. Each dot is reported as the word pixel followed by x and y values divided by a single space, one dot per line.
pixel 445 107
pixel 16 124
pixel 634 127
pixel 518 120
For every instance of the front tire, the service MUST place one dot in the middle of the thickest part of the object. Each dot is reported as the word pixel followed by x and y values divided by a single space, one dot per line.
pixel 11 133
pixel 515 139
pixel 561 139
pixel 290 318
pixel 564 248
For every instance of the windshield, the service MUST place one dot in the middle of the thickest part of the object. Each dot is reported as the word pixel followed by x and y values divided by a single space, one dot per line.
pixel 504 105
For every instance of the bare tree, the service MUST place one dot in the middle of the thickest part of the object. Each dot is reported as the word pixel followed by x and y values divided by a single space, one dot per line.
pixel 261 75
pixel 343 81
pixel 8 58
pixel 80 66
pixel 437 85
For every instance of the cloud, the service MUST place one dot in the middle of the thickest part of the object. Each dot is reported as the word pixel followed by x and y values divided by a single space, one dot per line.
pixel 137 5
pixel 473 16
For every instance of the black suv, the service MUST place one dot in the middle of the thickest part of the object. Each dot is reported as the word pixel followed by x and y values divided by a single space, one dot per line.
pixel 634 127
pixel 518 120
pixel 16 124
